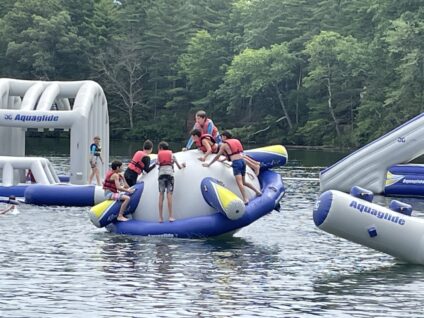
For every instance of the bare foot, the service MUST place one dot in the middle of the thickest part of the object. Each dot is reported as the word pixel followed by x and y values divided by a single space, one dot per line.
pixel 246 202
pixel 258 193
pixel 171 219
pixel 121 218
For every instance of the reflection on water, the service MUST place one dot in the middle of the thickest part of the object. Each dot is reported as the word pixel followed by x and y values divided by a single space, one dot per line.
pixel 55 263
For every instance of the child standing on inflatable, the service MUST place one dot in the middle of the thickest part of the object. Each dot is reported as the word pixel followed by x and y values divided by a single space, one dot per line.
pixel 166 161
pixel 139 163
pixel 204 142
pixel 113 184
pixel 206 126
pixel 95 150
pixel 233 149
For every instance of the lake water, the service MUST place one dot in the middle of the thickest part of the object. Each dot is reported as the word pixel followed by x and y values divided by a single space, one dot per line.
pixel 55 263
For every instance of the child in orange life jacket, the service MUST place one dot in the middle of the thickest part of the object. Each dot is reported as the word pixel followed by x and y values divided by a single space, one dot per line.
pixel 115 182
pixel 204 142
pixel 233 149
pixel 206 126
pixel 166 162
pixel 139 163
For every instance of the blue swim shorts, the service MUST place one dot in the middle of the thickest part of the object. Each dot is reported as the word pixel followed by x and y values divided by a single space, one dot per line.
pixel 239 167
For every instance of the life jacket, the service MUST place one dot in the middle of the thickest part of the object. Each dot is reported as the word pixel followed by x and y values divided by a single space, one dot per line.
pixel 199 143
pixel 165 158
pixel 97 149
pixel 204 128
pixel 109 184
pixel 136 163
pixel 235 146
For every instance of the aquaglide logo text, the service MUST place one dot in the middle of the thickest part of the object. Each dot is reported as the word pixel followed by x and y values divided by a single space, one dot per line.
pixel 378 214
pixel 32 118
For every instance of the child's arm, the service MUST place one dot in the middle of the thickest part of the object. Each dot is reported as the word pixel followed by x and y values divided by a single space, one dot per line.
pixel 220 152
pixel 183 165
pixel 208 147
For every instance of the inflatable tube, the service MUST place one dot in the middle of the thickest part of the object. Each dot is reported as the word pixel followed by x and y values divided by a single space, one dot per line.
pixel 222 199
pixel 269 156
pixel 211 224
pixel 405 180
pixel 63 194
pixel 371 225
pixel 104 213
pixel 16 190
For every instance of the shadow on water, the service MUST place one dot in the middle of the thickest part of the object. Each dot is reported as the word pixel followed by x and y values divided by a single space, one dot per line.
pixel 397 276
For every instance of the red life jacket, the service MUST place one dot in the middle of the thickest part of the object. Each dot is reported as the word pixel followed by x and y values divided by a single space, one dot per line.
pixel 165 158
pixel 136 163
pixel 204 128
pixel 109 184
pixel 235 146
pixel 199 143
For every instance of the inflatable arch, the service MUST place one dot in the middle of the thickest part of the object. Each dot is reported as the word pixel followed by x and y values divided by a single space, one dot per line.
pixel 40 104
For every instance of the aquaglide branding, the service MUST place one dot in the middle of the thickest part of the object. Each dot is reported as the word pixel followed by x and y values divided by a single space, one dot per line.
pixel 378 214
pixel 32 118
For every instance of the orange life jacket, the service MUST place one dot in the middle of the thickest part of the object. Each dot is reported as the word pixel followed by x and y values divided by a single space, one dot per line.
pixel 235 147
pixel 136 163
pixel 165 158
pixel 199 143
pixel 109 184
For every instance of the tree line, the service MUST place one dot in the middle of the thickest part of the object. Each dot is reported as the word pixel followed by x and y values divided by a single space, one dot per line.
pixel 304 72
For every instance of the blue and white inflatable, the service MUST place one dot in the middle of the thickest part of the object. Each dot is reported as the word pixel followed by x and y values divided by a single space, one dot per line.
pixel 206 201
pixel 356 218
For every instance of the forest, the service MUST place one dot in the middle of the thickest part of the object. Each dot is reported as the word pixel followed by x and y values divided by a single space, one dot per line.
pixel 334 73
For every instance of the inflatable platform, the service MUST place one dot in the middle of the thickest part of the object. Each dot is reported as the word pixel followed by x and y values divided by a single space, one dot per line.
pixel 355 217
pixel 206 201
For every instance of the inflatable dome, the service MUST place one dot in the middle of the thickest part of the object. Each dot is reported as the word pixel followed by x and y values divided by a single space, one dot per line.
pixel 206 200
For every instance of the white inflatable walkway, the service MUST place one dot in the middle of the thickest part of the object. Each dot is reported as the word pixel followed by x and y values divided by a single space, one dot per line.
pixel 367 167
pixel 79 106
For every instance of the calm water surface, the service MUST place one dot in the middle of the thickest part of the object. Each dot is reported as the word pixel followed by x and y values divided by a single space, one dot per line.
pixel 54 263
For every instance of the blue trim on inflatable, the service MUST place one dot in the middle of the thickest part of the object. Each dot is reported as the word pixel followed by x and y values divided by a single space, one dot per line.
pixel 209 225
pixel 410 183
pixel 322 207
pixel 17 190
pixel 60 194
pixel 267 159
pixel 64 179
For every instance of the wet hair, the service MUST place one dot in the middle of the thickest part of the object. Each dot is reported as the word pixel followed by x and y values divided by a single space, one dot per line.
pixel 227 134
pixel 148 145
pixel 115 164
pixel 196 132
pixel 163 145
pixel 201 113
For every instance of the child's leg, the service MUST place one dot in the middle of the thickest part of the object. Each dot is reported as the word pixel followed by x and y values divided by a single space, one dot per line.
pixel 253 164
pixel 239 180
pixel 161 195
pixel 97 176
pixel 169 198
pixel 126 200
pixel 249 185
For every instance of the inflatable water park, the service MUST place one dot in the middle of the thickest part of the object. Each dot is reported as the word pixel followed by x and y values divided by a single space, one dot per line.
pixel 47 105
pixel 346 209
pixel 207 201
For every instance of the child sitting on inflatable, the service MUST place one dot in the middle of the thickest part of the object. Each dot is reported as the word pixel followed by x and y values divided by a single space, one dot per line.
pixel 233 149
pixel 166 161
pixel 115 182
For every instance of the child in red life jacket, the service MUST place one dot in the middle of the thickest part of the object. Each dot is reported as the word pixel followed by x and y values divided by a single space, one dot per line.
pixel 233 149
pixel 166 162
pixel 204 142
pixel 140 162
pixel 206 126
pixel 115 182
